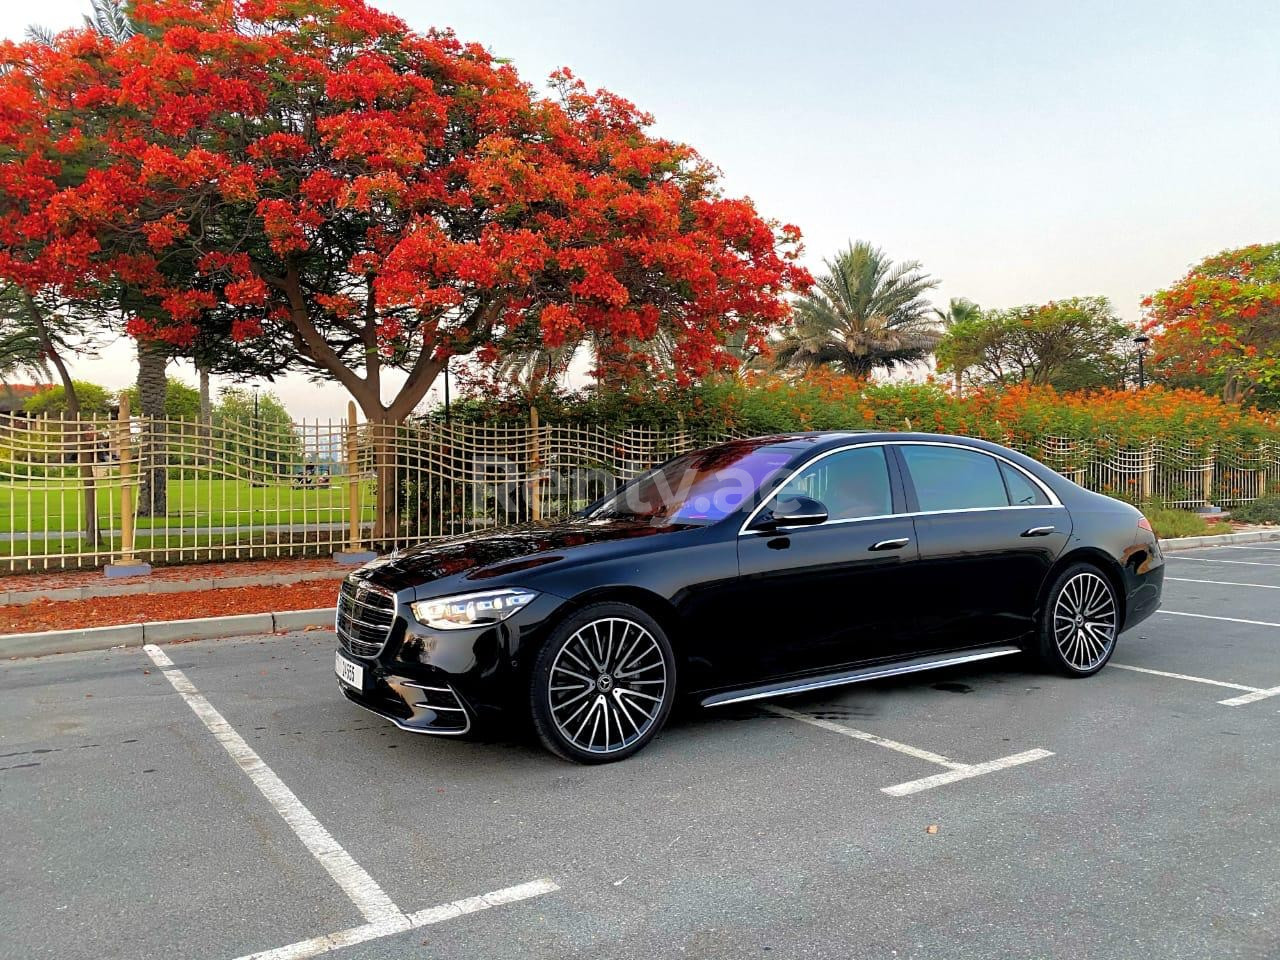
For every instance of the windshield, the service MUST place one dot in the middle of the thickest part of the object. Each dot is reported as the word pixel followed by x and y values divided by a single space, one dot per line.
pixel 698 488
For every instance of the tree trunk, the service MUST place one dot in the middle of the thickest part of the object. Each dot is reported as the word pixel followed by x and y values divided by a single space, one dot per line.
pixel 153 499
pixel 205 430
pixel 1233 389
pixel 206 406
pixel 384 421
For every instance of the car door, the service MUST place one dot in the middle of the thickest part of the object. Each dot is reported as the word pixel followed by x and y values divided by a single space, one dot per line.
pixel 831 594
pixel 988 533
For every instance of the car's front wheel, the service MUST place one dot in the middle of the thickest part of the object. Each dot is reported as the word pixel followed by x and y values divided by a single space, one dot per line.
pixel 1080 621
pixel 603 684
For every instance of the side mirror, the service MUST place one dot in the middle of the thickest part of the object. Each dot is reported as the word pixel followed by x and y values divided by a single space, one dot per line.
pixel 792 512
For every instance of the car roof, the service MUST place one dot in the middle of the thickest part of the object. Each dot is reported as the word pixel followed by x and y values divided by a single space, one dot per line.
pixel 817 440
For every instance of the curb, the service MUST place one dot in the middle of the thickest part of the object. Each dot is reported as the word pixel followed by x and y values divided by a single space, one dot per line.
pixel 95 590
pixel 160 631
pixel 1219 539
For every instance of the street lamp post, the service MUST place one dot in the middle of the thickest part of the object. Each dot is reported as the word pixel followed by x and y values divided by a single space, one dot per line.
pixel 1142 340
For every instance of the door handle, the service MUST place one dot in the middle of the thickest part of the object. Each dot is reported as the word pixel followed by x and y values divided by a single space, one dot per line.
pixel 1038 532
pixel 891 544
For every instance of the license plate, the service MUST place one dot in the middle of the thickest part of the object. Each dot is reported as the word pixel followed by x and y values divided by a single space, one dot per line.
pixel 352 674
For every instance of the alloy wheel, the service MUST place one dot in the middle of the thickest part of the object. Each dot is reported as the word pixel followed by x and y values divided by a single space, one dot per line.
pixel 608 683
pixel 1084 621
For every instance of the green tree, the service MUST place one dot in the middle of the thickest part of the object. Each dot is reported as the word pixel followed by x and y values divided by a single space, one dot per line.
pixel 255 432
pixel 865 313
pixel 959 311
pixel 94 400
pixel 1070 344
pixel 181 401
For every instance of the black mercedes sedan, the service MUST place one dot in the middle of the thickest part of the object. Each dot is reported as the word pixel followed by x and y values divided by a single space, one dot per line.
pixel 747 570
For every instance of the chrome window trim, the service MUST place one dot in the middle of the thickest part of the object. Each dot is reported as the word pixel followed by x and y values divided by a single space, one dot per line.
pixel 1054 501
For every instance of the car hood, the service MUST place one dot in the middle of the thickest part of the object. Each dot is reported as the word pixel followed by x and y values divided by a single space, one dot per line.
pixel 475 560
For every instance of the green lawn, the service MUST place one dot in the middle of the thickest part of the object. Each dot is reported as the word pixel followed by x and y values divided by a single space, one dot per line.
pixel 57 506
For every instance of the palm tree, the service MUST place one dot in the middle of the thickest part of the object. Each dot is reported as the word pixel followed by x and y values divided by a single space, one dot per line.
pixel 535 369
pixel 959 310
pixel 866 313
pixel 22 351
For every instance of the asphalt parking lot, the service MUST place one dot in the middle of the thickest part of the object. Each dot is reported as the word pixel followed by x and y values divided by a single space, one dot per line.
pixel 220 799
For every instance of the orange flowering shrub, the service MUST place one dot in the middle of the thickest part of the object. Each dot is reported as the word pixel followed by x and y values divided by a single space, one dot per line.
pixel 827 401
pixel 1186 422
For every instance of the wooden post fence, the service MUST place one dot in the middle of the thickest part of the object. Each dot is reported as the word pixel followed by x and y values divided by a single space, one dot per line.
pixel 128 478
pixel 535 465
pixel 353 480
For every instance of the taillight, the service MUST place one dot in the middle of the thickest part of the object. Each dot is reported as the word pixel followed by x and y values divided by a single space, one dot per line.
pixel 1145 524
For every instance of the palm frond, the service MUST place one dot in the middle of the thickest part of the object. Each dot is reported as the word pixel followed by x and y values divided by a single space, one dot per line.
pixel 108 17
pixel 41 35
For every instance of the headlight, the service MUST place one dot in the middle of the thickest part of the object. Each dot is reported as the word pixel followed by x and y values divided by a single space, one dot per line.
pixel 471 609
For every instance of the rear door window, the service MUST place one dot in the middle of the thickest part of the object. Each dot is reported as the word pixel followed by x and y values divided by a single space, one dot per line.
pixel 1022 492
pixel 951 478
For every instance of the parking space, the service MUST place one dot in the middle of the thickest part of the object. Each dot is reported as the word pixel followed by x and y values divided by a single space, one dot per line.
pixel 213 799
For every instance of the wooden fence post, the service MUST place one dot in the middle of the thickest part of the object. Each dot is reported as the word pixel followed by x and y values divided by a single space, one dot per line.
pixel 353 480
pixel 535 465
pixel 1148 473
pixel 128 478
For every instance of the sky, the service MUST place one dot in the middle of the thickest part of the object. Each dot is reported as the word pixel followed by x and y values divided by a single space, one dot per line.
pixel 1022 151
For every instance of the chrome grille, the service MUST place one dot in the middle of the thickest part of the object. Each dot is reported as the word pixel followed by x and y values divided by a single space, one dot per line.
pixel 365 616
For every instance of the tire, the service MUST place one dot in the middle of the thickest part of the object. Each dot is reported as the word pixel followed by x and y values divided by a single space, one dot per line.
pixel 603 684
pixel 1080 622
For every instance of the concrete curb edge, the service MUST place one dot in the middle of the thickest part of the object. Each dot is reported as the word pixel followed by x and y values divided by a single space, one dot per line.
pixel 160 631
pixel 1220 539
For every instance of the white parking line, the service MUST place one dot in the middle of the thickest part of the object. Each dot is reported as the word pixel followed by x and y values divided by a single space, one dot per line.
pixel 844 731
pixel 974 770
pixel 1226 583
pixel 1242 563
pixel 304 949
pixel 1182 676
pixel 1206 616
pixel 1252 695
pixel 955 769
pixel 1245 546
pixel 384 917
pixel 370 899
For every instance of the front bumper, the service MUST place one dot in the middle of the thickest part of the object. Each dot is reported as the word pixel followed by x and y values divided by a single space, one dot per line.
pixel 412 705
pixel 445 681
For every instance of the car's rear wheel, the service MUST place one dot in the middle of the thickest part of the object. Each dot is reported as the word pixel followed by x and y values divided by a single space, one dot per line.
pixel 603 684
pixel 1080 621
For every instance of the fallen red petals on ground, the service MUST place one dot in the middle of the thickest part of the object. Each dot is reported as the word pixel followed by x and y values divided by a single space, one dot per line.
pixel 54 579
pixel 141 608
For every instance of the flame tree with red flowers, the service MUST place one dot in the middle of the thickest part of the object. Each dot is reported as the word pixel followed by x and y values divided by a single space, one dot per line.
pixel 1221 323
pixel 313 183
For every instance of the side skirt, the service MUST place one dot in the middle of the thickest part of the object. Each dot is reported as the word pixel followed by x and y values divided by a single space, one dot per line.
pixel 844 677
